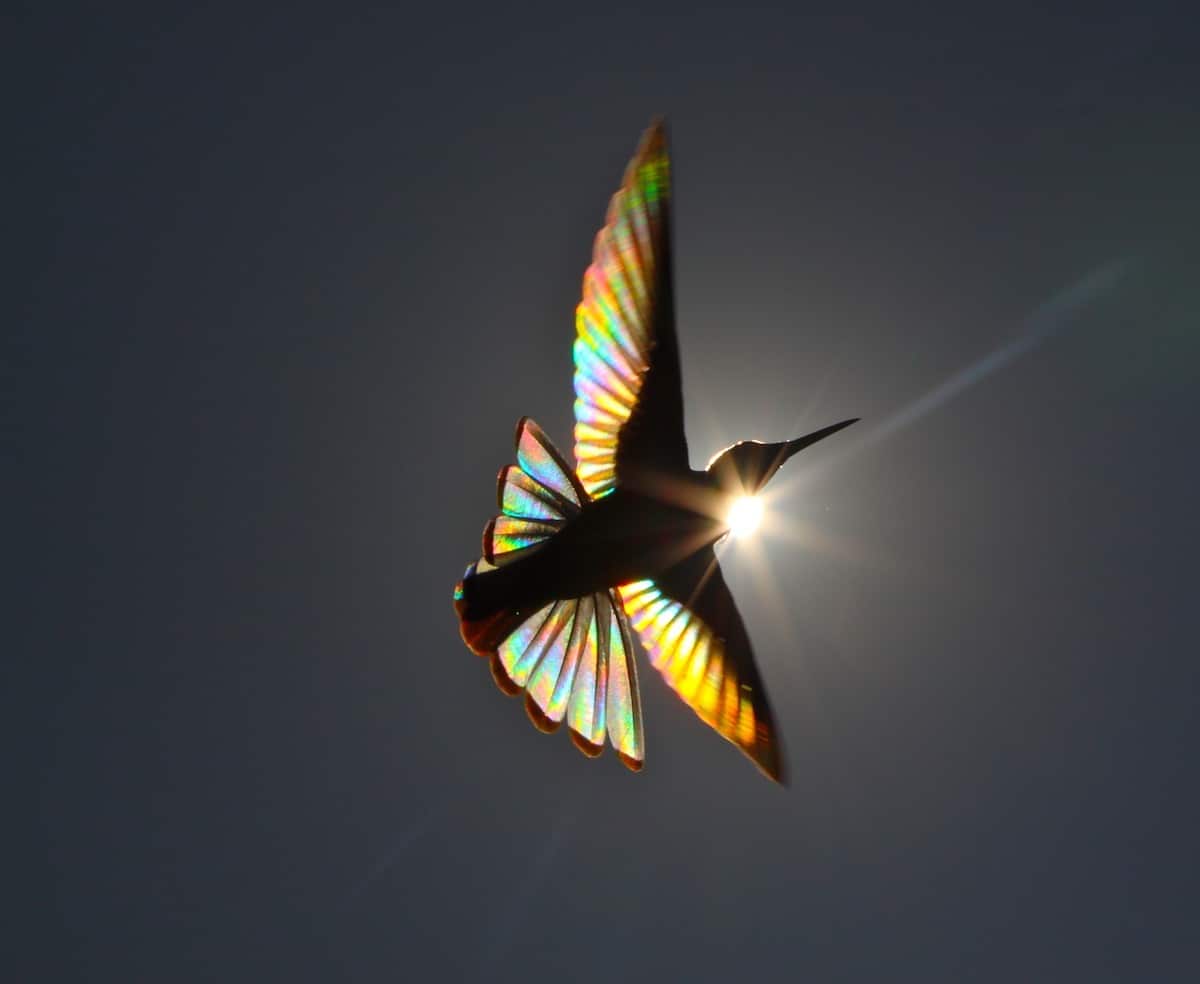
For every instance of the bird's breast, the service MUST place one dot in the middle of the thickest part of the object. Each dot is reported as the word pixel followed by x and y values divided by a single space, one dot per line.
pixel 623 538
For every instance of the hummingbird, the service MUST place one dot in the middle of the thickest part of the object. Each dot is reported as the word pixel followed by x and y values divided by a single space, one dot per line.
pixel 581 559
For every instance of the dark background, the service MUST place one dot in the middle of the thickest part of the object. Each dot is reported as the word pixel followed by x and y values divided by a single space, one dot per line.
pixel 281 285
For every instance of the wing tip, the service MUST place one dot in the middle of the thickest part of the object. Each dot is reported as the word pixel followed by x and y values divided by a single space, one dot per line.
pixel 766 751
pixel 590 749
pixel 770 764
pixel 544 724
pixel 500 675
pixel 631 763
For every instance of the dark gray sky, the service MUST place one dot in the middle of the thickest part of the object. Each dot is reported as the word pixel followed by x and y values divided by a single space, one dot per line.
pixel 284 284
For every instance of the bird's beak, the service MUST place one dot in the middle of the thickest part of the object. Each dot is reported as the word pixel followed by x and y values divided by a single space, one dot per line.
pixel 788 448
pixel 800 443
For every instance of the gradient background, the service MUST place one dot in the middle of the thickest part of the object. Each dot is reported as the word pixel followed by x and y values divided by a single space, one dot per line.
pixel 282 285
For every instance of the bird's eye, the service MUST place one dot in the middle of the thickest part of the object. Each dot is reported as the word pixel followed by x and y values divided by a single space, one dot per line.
pixel 744 515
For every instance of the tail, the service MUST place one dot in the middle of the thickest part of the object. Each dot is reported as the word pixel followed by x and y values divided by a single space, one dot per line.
pixel 486 610
pixel 537 497
pixel 572 657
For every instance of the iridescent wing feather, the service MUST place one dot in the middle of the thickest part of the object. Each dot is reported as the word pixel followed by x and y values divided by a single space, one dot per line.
pixel 691 629
pixel 628 397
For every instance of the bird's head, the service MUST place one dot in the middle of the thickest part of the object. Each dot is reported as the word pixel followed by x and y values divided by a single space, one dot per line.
pixel 742 469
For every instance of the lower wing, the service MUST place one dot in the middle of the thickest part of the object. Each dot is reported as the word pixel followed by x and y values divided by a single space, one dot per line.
pixel 691 629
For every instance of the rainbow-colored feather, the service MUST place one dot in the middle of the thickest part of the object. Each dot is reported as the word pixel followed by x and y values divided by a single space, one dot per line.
pixel 573 658
pixel 614 323
pixel 694 662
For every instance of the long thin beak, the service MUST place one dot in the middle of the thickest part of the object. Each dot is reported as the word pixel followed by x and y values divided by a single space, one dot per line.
pixel 786 449
pixel 800 443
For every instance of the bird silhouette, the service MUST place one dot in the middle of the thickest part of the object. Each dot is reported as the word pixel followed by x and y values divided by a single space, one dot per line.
pixel 577 556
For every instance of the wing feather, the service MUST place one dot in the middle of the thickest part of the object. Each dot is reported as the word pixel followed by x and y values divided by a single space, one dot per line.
pixel 629 405
pixel 696 639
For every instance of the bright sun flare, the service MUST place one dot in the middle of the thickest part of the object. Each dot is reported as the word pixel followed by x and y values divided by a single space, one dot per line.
pixel 744 515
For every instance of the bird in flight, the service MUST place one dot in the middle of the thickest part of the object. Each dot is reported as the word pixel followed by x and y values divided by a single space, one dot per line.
pixel 625 538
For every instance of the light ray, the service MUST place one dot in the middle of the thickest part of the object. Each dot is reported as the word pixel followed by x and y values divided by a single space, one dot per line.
pixel 1046 321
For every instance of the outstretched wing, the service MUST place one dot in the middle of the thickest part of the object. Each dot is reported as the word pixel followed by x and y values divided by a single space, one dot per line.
pixel 690 626
pixel 628 397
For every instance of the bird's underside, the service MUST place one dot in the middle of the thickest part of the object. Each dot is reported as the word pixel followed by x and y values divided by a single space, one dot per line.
pixel 621 538
pixel 582 558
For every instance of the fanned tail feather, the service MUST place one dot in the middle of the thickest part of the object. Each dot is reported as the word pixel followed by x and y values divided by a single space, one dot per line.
pixel 572 658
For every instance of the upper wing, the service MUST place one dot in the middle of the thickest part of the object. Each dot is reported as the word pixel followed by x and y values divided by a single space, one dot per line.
pixel 629 402
pixel 690 627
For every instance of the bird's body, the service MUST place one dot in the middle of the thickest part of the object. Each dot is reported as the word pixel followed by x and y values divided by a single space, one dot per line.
pixel 624 540
pixel 625 536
